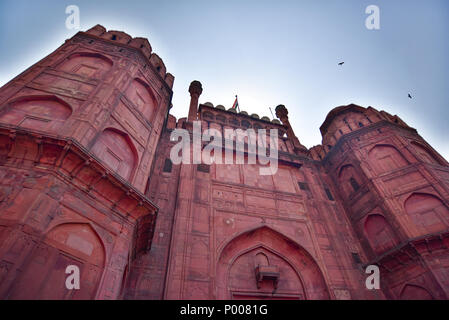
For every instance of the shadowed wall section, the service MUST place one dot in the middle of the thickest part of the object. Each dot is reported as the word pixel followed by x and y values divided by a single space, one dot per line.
pixel 379 233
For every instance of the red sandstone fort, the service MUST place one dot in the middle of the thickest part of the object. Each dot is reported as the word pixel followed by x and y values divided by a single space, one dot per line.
pixel 86 179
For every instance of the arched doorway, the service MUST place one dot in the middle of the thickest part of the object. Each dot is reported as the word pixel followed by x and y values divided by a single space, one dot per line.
pixel 264 264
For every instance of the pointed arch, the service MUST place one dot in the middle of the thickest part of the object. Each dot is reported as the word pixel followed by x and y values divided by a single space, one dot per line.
pixel 379 233
pixel 88 64
pixel 385 158
pixel 299 273
pixel 427 211
pixel 79 239
pixel 116 149
pixel 415 292
pixel 142 96
pixel 425 154
pixel 40 112
pixel 348 179
pixel 44 271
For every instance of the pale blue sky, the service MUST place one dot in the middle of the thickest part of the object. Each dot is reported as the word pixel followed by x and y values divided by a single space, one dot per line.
pixel 269 52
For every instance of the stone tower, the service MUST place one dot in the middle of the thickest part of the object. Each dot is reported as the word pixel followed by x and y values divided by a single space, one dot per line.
pixel 78 133
pixel 394 188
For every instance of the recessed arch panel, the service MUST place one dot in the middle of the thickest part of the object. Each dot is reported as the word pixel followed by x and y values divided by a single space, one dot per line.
pixel 425 154
pixel 68 246
pixel 299 275
pixel 427 212
pixel 141 95
pixel 385 158
pixel 88 64
pixel 347 177
pixel 117 151
pixel 414 292
pixel 43 113
pixel 379 233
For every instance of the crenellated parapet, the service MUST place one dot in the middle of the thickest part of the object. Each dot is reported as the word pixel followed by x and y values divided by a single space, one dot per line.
pixel 141 44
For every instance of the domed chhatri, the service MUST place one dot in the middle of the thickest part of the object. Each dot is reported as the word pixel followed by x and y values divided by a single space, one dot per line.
pixel 255 116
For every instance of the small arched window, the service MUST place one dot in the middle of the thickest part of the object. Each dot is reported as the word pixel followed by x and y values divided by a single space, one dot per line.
pixel 261 260
pixel 354 184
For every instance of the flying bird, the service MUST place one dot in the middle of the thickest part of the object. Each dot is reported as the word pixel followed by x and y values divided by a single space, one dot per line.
pixel 341 63
pixel 409 96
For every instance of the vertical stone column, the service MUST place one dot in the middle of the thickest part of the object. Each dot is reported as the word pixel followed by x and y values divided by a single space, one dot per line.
pixel 282 114
pixel 195 90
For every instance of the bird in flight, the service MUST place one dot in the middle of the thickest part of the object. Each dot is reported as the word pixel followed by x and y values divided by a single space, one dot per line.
pixel 341 63
pixel 409 96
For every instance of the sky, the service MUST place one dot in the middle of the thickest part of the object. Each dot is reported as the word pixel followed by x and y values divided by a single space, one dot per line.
pixel 269 53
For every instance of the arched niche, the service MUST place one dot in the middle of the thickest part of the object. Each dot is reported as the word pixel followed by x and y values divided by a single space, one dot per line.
pixel 427 212
pixel 117 151
pixel 379 233
pixel 43 113
pixel 261 259
pixel 44 272
pixel 414 292
pixel 87 64
pixel 425 155
pixel 80 240
pixel 299 276
pixel 385 158
pixel 141 95
pixel 348 179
